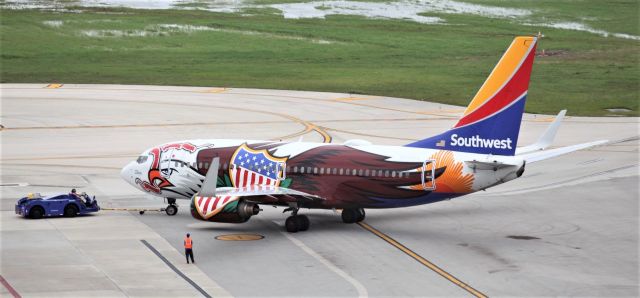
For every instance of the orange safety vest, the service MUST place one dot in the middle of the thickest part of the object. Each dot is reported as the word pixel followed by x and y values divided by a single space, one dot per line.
pixel 187 242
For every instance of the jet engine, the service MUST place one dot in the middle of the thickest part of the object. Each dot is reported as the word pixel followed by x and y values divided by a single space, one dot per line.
pixel 235 212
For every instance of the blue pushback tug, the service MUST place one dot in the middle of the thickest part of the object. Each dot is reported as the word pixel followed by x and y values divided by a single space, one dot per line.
pixel 69 205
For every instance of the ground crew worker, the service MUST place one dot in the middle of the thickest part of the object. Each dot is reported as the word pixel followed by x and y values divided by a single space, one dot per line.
pixel 188 248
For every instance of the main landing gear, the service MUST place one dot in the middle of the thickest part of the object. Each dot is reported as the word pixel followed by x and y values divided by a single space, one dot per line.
pixel 172 208
pixel 353 215
pixel 295 222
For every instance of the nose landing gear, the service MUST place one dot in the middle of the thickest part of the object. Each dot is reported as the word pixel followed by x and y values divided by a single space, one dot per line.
pixel 172 208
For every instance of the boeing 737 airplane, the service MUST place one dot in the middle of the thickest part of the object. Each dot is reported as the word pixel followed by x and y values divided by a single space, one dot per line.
pixel 227 180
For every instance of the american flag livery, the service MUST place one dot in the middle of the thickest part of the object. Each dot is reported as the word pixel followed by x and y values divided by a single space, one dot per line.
pixel 255 167
pixel 210 206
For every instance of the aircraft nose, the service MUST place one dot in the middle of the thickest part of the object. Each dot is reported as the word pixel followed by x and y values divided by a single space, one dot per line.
pixel 127 173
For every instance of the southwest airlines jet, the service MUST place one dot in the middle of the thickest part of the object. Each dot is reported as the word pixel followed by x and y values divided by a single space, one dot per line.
pixel 227 180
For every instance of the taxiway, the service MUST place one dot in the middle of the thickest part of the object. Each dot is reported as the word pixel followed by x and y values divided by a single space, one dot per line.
pixel 568 227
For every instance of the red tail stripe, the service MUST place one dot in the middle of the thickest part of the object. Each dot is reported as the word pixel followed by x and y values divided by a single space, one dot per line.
pixel 518 84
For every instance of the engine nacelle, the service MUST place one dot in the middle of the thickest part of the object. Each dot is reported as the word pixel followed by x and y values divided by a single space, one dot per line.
pixel 234 212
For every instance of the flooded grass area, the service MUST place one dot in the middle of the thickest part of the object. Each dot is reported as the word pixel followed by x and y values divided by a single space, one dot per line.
pixel 442 54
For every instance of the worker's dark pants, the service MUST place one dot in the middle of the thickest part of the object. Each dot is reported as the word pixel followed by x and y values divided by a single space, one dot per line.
pixel 188 252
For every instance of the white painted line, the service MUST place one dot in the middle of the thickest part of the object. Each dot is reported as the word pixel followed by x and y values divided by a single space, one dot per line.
pixel 362 291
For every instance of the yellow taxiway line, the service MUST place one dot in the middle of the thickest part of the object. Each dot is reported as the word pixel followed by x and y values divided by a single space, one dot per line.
pixel 216 90
pixel 353 98
pixel 423 261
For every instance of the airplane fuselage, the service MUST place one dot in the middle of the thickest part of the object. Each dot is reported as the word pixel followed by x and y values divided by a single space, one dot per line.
pixel 345 176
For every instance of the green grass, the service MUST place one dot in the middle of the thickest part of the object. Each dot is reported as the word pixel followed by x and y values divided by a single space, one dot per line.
pixel 442 63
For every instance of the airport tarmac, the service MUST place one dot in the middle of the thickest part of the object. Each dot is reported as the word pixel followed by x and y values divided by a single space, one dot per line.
pixel 568 227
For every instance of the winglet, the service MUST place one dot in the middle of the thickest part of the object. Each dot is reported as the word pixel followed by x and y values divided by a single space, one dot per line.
pixel 210 183
pixel 546 138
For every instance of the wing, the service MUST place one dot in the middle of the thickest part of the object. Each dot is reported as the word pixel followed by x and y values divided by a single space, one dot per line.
pixel 262 194
pixel 266 194
pixel 546 138
pixel 534 152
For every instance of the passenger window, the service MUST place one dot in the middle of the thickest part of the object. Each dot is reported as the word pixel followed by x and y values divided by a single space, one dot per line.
pixel 393 174
pixel 309 170
pixel 321 171
pixel 366 173
pixel 341 171
pixel 335 170
pixel 386 173
pixel 354 172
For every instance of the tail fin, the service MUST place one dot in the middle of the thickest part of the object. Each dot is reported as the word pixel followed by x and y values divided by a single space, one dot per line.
pixel 491 122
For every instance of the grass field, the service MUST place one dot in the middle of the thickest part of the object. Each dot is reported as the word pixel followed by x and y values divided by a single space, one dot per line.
pixel 586 73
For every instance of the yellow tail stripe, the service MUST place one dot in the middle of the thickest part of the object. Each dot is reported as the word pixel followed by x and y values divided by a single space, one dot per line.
pixel 505 68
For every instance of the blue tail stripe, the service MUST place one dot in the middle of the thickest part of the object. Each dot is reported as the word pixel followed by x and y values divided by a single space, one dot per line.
pixel 495 135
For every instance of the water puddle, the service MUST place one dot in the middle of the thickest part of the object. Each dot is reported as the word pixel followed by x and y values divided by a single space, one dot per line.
pixel 168 29
pixel 412 10
pixel 582 27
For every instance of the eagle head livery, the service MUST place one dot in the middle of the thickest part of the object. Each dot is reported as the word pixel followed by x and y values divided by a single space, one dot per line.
pixel 227 179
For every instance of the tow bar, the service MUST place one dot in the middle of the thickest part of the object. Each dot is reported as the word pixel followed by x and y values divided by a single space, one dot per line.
pixel 140 210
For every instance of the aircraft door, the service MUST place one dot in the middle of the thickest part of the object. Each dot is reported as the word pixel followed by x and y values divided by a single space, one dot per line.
pixel 281 170
pixel 428 175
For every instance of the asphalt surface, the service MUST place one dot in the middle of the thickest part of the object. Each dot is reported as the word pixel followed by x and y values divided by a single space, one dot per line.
pixel 568 227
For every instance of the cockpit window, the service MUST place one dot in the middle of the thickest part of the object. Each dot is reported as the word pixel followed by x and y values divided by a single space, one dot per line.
pixel 142 158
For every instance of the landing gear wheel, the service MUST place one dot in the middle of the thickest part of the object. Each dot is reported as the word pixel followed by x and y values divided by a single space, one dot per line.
pixel 349 216
pixel 303 223
pixel 361 214
pixel 291 224
pixel 297 223
pixel 171 210
pixel 70 211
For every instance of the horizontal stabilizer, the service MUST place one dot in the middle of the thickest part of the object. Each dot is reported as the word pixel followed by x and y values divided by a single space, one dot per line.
pixel 546 138
pixel 542 155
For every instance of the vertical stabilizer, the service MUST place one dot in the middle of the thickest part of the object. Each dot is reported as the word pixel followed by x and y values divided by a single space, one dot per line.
pixel 491 122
